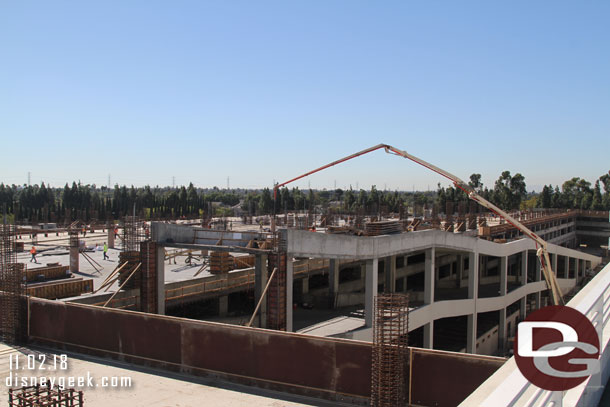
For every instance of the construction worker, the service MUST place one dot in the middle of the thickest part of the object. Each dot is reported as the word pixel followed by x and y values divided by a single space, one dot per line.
pixel 33 253
pixel 106 251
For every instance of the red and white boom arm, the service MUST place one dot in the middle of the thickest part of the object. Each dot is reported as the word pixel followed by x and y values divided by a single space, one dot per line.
pixel 542 252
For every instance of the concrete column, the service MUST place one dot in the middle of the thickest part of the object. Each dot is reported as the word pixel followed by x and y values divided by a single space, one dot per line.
pixel 370 291
pixel 523 281
pixel 110 237
pixel 473 293
pixel 390 274
pixel 503 289
pixel 503 274
pixel 333 277
pixel 260 280
pixel 502 330
pixel 160 266
pixel 460 269
pixel 554 264
pixel 74 253
pixel 289 291
pixel 429 276
pixel 305 281
pixel 577 269
pixel 429 335
pixel 223 306
pixel 524 258
pixel 566 270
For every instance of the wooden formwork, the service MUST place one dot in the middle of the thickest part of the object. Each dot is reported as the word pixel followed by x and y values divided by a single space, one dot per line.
pixel 61 289
pixel 220 262
pixel 47 273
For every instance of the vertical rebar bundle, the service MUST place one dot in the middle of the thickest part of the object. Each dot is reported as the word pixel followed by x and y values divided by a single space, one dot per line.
pixel 12 289
pixel 390 349
pixel 133 234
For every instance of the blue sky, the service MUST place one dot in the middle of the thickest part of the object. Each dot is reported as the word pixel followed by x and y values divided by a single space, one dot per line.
pixel 265 90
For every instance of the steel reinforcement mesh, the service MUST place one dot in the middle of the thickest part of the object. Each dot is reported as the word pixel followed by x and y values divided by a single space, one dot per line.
pixel 12 289
pixel 133 234
pixel 390 349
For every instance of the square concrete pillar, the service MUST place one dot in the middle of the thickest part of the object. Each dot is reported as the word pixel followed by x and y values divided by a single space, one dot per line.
pixel 502 330
pixel 471 334
pixel 333 277
pixel 260 281
pixel 523 276
pixel 503 274
pixel 370 291
pixel 429 335
pixel 110 238
pixel 305 285
pixel 473 275
pixel 289 290
pixel 429 276
pixel 460 270
pixel 473 293
pixel 223 306
pixel 390 274
pixel 576 269
pixel 160 265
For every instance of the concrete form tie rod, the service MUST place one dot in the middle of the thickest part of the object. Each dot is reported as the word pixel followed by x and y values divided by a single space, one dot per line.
pixel 262 298
pixel 124 282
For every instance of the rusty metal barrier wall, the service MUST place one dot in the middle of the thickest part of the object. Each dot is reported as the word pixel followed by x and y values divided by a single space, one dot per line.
pixel 328 368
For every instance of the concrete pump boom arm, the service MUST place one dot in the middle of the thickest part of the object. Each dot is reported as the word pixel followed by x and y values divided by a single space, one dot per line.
pixel 542 252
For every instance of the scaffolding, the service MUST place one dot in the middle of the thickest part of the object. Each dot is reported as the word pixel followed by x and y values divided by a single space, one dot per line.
pixel 44 396
pixel 12 289
pixel 390 349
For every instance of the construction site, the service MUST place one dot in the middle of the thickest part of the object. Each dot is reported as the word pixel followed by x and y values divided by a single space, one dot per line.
pixel 308 308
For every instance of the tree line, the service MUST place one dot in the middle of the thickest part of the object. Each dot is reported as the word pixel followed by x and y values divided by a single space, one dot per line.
pixel 40 203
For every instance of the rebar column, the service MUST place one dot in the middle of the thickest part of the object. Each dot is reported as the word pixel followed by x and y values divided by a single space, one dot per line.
pixel 12 289
pixel 390 349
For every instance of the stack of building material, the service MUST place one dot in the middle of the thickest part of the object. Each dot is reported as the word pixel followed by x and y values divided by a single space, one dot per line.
pixel 384 227
pixel 220 262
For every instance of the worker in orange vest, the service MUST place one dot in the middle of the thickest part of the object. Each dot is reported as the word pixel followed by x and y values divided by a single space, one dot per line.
pixel 33 253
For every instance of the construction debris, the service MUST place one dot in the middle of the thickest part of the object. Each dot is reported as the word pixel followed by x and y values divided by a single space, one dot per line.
pixel 44 396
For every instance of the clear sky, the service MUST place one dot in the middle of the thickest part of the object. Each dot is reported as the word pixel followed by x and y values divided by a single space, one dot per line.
pixel 265 90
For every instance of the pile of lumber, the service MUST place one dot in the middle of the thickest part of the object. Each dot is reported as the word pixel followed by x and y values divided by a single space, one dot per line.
pixel 384 227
